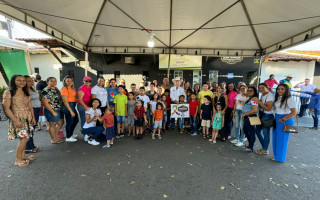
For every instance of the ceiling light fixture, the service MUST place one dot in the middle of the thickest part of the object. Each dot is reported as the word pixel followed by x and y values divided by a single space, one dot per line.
pixel 151 41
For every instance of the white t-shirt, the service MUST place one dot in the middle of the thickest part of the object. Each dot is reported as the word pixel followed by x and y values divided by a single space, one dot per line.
pixel 240 100
pixel 306 88
pixel 94 122
pixel 153 106
pixel 176 92
pixel 145 100
pixel 101 94
pixel 285 109
pixel 266 98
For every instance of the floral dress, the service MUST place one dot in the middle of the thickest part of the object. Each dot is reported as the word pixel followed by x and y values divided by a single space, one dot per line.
pixel 20 108
pixel 54 97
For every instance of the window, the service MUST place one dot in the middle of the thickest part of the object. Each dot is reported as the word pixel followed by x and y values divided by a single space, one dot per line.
pixel 197 77
pixel 36 70
pixel 178 73
pixel 213 76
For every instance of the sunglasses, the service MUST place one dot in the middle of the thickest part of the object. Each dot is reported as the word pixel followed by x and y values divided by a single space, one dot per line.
pixel 87 81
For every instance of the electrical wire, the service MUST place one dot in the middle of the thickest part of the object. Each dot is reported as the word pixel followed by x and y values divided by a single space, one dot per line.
pixel 163 30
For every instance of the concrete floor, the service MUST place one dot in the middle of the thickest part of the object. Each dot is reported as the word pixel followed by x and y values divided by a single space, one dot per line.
pixel 177 167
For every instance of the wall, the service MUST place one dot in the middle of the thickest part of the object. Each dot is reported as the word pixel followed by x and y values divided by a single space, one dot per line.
pixel 299 70
pixel 316 79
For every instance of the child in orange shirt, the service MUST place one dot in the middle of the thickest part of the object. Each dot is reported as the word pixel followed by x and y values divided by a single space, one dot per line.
pixel 157 119
pixel 108 124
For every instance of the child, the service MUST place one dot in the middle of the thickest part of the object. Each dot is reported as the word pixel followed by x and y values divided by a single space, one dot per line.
pixel 181 120
pixel 144 98
pixel 90 129
pixel 204 92
pixel 165 117
pixel 131 106
pixel 157 119
pixel 108 124
pixel 120 103
pixel 134 91
pixel 205 115
pixel 193 106
pixel 153 106
pixel 168 106
pixel 139 114
pixel 188 93
pixel 217 123
pixel 42 118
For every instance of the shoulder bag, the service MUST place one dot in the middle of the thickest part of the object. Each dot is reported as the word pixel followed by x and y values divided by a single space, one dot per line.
pixel 254 120
pixel 291 129
pixel 269 122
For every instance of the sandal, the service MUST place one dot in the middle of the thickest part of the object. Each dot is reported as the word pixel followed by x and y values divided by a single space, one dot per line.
pixel 22 164
pixel 58 142
pixel 35 150
pixel 29 158
pixel 261 152
pixel 272 158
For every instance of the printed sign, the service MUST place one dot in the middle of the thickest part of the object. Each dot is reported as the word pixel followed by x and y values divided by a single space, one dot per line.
pixel 180 111
pixel 231 60
pixel 180 62
pixel 230 75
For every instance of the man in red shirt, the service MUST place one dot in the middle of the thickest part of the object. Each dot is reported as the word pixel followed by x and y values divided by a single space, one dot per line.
pixel 271 81
pixel 193 106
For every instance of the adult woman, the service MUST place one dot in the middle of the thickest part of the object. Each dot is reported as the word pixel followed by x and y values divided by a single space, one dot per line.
pixel 99 92
pixel 237 112
pixel 17 106
pixel 196 89
pixel 223 85
pixel 84 98
pixel 36 104
pixel 155 83
pixel 187 86
pixel 51 99
pixel 265 112
pixel 214 87
pixel 69 99
pixel 222 99
pixel 285 110
pixel 232 94
pixel 250 109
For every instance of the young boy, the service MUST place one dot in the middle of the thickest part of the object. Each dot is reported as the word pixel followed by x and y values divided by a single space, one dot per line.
pixel 134 91
pixel 139 116
pixel 206 115
pixel 120 102
pixel 181 120
pixel 204 92
pixel 144 98
pixel 108 124
pixel 131 105
pixel 168 101
pixel 157 119
pixel 194 107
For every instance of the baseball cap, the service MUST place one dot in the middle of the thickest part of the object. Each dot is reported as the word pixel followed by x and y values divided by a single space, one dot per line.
pixel 87 78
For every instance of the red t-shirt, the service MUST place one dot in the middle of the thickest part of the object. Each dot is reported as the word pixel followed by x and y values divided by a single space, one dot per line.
pixel 168 101
pixel 108 120
pixel 271 83
pixel 193 107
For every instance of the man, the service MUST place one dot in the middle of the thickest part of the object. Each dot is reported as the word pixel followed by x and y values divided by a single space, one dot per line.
pixel 304 97
pixel 166 84
pixel 175 92
pixel 151 92
pixel 287 81
pixel 134 90
pixel 40 84
pixel 314 106
pixel 271 81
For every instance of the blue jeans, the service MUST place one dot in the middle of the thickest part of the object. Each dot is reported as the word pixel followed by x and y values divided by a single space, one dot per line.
pixel 180 122
pixel 71 122
pixel 303 108
pixel 151 121
pixel 265 139
pixel 193 124
pixel 95 131
pixel 82 113
pixel 229 119
pixel 315 117
pixel 249 131
pixel 30 144
pixel 239 126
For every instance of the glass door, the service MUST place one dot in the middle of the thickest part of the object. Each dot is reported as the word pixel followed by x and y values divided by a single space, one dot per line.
pixel 197 77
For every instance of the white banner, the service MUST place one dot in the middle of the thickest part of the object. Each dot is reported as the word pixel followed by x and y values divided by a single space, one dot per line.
pixel 180 111
pixel 180 62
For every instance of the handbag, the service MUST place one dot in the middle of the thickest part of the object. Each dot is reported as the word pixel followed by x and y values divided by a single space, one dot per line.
pixel 3 115
pixel 291 129
pixel 254 120
pixel 267 123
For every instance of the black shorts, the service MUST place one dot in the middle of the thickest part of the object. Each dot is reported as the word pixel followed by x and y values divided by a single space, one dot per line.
pixel 138 122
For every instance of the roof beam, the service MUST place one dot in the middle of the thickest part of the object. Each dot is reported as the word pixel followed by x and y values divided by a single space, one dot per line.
pixel 95 23
pixel 226 9
pixel 170 23
pixel 250 22
pixel 135 21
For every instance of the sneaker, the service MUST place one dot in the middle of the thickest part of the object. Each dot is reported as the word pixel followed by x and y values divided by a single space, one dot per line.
pixel 194 134
pixel 118 136
pixel 214 141
pixel 159 137
pixel 245 139
pixel 74 136
pixel 86 138
pixel 137 137
pixel 153 137
pixel 122 135
pixel 235 141
pixel 239 144
pixel 313 128
pixel 93 142
pixel 111 143
pixel 210 140
pixel 140 136
pixel 106 147
pixel 71 139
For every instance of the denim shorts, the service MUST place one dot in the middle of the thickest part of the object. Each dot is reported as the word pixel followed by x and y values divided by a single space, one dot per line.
pixel 157 124
pixel 50 117
pixel 165 119
pixel 121 119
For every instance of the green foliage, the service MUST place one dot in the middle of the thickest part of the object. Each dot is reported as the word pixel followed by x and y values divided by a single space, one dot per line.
pixel 2 89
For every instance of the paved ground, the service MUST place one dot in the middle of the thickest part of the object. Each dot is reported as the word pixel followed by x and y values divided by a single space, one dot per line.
pixel 177 167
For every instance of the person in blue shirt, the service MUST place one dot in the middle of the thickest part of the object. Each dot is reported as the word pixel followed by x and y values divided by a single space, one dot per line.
pixel 112 91
pixel 314 106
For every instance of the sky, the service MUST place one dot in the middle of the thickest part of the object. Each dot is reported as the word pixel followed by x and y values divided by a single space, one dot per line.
pixel 22 31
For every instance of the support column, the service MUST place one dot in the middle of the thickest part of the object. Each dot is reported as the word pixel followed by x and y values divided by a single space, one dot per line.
pixel 168 72
pixel 87 64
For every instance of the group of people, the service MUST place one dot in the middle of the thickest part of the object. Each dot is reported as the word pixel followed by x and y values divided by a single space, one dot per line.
pixel 213 108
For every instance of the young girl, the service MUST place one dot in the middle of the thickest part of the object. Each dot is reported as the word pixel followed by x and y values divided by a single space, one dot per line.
pixel 217 123
pixel 108 124
pixel 181 120
pixel 139 115
pixel 165 115
pixel 205 115
pixel 157 119
pixel 90 128
pixel 153 106
pixel 131 105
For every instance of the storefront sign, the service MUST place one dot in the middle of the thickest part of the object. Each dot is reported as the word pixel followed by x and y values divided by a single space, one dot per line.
pixel 180 62
pixel 231 60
